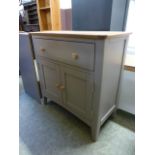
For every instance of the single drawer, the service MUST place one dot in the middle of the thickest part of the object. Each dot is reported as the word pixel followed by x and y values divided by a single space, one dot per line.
pixel 80 54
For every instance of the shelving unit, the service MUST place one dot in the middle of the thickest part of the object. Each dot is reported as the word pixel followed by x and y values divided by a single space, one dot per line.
pixel 32 23
pixel 49 14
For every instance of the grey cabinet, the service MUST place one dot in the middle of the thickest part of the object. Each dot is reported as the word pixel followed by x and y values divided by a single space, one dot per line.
pixel 81 72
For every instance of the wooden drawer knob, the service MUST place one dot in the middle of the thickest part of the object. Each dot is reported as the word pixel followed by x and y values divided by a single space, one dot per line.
pixel 57 85
pixel 62 87
pixel 75 56
pixel 43 50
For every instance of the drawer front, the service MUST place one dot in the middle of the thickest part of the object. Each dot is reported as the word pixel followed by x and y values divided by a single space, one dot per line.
pixel 74 53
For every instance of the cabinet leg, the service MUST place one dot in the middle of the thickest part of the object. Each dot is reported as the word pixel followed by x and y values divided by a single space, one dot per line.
pixel 44 100
pixel 114 113
pixel 95 133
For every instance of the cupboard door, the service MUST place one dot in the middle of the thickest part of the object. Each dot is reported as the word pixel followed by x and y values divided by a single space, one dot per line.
pixel 50 80
pixel 78 91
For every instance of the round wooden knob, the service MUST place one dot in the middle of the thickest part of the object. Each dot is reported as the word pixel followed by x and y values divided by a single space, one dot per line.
pixel 75 56
pixel 43 50
pixel 62 87
pixel 57 85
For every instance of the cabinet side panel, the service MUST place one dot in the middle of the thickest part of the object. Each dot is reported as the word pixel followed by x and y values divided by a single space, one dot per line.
pixel 112 64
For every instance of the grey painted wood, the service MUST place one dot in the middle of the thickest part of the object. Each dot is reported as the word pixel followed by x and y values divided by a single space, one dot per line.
pixel 64 51
pixel 99 55
pixel 27 68
pixel 89 94
pixel 78 91
pixel 50 77
pixel 112 62
pixel 99 15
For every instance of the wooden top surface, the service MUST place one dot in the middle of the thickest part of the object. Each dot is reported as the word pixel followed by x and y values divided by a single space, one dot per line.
pixel 82 34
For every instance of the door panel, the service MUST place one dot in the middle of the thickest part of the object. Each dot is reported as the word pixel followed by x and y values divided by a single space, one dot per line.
pixel 50 73
pixel 78 90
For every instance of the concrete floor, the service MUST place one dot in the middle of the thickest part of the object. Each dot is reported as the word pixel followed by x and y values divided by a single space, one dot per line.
pixel 51 130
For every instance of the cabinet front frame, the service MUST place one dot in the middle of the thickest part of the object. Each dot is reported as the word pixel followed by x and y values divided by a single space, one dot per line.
pixel 47 93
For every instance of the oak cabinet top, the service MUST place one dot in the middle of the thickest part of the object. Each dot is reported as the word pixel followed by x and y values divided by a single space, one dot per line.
pixel 82 34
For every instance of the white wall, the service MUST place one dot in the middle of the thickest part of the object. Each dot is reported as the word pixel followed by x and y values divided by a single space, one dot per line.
pixel 65 4
pixel 127 92
pixel 127 86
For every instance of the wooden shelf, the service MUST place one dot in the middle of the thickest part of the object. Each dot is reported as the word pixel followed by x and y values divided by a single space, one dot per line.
pixel 49 14
pixel 32 9
pixel 33 24
pixel 33 18
pixel 45 8
pixel 33 14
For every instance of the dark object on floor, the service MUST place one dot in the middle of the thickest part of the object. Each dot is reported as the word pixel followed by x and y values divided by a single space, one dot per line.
pixel 27 68
pixel 124 119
